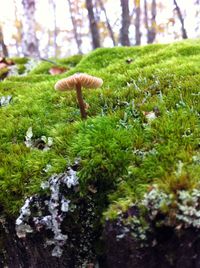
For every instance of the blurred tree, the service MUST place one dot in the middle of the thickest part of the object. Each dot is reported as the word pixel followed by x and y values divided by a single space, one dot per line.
pixel 137 22
pixel 181 19
pixel 93 25
pixel 18 25
pixel 152 31
pixel 74 11
pixel 29 39
pixel 197 4
pixel 124 31
pixel 146 17
pixel 150 24
pixel 55 32
pixel 110 30
pixel 2 44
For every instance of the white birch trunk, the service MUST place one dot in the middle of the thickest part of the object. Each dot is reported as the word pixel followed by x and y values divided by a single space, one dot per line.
pixel 29 39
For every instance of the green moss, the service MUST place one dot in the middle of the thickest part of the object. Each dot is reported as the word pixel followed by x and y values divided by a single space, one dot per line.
pixel 3 73
pixel 121 151
pixel 68 63
pixel 20 60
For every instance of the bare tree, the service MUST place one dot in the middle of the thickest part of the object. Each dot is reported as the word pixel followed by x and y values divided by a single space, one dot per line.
pixel 197 15
pixel 73 8
pixel 93 25
pixel 18 26
pixel 110 30
pixel 181 19
pixel 124 31
pixel 55 31
pixel 137 22
pixel 150 24
pixel 29 39
pixel 2 44
pixel 146 18
pixel 152 30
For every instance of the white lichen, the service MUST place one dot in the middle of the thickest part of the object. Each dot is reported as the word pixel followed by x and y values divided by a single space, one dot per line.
pixel 186 206
pixel 154 201
pixel 5 100
pixel 57 205
pixel 150 116
pixel 28 138
pixel 32 63
pixel 44 143
pixel 159 206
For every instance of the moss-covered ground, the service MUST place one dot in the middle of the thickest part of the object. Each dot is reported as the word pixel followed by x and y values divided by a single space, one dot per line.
pixel 142 126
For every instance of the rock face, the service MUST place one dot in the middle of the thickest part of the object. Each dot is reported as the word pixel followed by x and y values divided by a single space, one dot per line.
pixel 32 251
pixel 29 252
pixel 54 229
pixel 171 249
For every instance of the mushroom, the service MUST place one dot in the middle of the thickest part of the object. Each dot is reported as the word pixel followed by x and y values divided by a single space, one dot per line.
pixel 77 81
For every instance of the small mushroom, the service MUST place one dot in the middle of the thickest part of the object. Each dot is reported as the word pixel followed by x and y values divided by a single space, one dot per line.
pixel 77 81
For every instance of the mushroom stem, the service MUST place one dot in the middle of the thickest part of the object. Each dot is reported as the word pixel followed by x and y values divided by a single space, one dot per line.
pixel 80 101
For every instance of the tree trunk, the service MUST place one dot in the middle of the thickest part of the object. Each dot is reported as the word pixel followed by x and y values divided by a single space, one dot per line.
pixel 137 22
pixel 124 32
pixel 2 44
pixel 152 30
pixel 75 26
pixel 197 16
pixel 29 39
pixel 146 18
pixel 55 33
pixel 18 25
pixel 180 16
pixel 107 22
pixel 93 25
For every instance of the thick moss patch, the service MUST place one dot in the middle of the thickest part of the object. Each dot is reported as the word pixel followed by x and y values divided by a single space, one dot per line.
pixel 141 125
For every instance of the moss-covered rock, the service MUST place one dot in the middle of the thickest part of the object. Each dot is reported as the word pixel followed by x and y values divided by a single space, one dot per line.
pixel 142 127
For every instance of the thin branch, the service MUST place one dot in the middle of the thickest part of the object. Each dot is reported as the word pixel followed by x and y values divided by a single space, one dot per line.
pixel 180 16
pixel 107 22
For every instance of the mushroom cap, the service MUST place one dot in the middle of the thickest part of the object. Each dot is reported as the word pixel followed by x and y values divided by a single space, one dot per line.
pixel 84 80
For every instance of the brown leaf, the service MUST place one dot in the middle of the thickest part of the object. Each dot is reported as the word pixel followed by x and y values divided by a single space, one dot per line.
pixel 57 70
pixel 10 62
pixel 90 265
pixel 92 189
pixel 3 65
pixel 7 62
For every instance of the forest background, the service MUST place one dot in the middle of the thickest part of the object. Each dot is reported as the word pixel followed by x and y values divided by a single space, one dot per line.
pixel 60 28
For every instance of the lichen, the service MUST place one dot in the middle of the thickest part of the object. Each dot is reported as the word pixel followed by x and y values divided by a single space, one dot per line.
pixel 52 211
pixel 160 209
pixel 43 143
pixel 5 100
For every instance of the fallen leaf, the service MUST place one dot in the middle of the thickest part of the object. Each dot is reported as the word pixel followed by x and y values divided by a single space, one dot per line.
pixel 7 62
pixel 57 70
pixel 3 65
pixel 92 189
pixel 10 62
